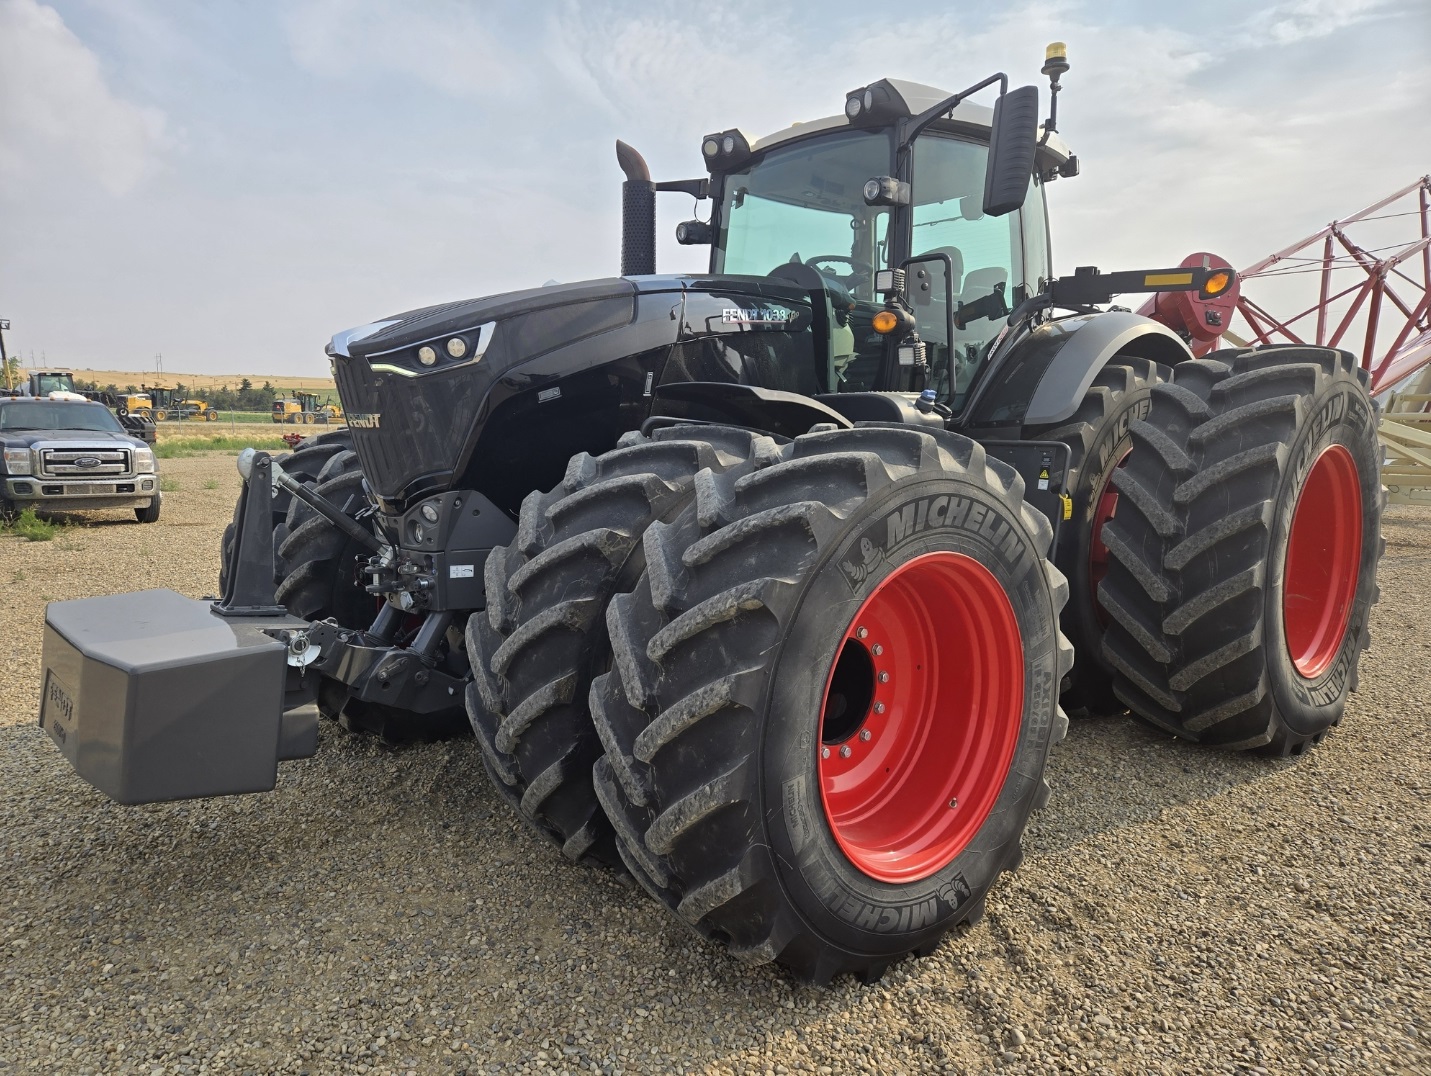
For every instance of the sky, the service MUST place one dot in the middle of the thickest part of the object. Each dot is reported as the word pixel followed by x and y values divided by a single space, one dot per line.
pixel 227 185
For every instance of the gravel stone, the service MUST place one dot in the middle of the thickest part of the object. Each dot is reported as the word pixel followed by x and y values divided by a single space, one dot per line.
pixel 1179 910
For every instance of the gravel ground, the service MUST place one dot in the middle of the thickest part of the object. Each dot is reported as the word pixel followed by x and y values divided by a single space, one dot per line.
pixel 1179 911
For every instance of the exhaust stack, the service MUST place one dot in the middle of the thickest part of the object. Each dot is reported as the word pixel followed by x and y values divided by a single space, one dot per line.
pixel 638 214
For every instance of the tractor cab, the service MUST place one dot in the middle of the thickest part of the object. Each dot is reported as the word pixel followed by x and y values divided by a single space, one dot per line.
pixel 913 193
pixel 848 196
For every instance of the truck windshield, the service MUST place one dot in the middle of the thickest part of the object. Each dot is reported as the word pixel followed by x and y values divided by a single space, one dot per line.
pixel 805 203
pixel 57 415
pixel 48 383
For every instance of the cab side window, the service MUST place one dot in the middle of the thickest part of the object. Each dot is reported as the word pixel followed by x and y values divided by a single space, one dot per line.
pixel 987 254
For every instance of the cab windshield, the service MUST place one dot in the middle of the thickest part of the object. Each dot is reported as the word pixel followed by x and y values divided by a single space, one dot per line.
pixel 805 203
pixel 57 415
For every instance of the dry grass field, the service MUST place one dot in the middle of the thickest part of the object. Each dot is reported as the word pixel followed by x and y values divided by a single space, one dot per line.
pixel 308 383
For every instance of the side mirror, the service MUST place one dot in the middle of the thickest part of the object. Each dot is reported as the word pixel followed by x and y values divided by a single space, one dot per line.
pixel 1012 144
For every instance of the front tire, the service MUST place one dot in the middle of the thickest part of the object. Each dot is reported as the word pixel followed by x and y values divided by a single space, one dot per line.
pixel 318 560
pixel 542 638
pixel 1244 553
pixel 304 463
pixel 755 654
pixel 150 512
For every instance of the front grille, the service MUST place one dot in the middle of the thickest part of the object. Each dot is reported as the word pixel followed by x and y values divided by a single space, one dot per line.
pixel 64 462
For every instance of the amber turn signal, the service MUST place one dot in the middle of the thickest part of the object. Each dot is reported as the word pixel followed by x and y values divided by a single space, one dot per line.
pixel 1217 283
pixel 886 321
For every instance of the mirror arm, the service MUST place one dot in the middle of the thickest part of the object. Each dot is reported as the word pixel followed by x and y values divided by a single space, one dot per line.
pixel 700 189
pixel 917 124
pixel 913 127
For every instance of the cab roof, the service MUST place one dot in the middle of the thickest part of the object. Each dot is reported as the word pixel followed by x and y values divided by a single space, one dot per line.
pixel 915 97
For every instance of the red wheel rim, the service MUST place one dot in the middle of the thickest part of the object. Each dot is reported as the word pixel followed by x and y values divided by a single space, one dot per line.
pixel 1104 509
pixel 921 713
pixel 1323 562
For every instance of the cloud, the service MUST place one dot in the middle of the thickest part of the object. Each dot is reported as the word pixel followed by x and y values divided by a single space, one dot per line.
pixel 58 118
pixel 444 44
pixel 1303 20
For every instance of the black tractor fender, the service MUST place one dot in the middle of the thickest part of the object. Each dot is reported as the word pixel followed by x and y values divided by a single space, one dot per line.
pixel 1043 377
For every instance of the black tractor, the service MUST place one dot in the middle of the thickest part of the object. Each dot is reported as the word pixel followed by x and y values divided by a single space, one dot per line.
pixel 764 585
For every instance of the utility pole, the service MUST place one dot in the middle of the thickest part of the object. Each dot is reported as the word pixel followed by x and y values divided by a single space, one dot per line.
pixel 5 359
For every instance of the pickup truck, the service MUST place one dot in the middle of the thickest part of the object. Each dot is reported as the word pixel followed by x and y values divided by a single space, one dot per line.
pixel 63 453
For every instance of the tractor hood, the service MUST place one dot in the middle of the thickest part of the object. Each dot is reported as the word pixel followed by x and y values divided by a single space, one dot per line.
pixel 433 393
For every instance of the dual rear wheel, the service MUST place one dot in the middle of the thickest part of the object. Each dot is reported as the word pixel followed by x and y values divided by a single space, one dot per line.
pixel 1242 565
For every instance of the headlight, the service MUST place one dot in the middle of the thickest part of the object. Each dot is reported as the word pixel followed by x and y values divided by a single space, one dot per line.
pixel 429 513
pixel 143 461
pixel 17 460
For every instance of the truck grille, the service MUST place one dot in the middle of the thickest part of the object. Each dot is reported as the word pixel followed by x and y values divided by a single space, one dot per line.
pixel 83 462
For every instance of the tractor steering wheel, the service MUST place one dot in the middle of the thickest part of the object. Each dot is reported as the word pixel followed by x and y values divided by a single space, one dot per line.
pixel 860 272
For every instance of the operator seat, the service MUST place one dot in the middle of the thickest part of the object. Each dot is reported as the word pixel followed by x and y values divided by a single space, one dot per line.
pixel 956 260
pixel 981 282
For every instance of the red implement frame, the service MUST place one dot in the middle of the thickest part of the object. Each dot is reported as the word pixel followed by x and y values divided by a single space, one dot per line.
pixel 1390 327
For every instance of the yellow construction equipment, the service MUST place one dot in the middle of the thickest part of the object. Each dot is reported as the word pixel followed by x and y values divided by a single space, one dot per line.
pixel 304 408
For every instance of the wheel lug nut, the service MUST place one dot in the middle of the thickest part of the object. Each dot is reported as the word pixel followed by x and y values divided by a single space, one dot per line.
pixel 824 752
pixel 845 751
pixel 879 707
pixel 876 650
pixel 862 633
pixel 884 678
pixel 865 735
pixel 953 803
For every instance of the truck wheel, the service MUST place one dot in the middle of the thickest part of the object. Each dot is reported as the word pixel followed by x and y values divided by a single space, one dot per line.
pixel 150 512
pixel 1243 557
pixel 211 415
pixel 304 464
pixel 1098 435
pixel 542 637
pixel 833 696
